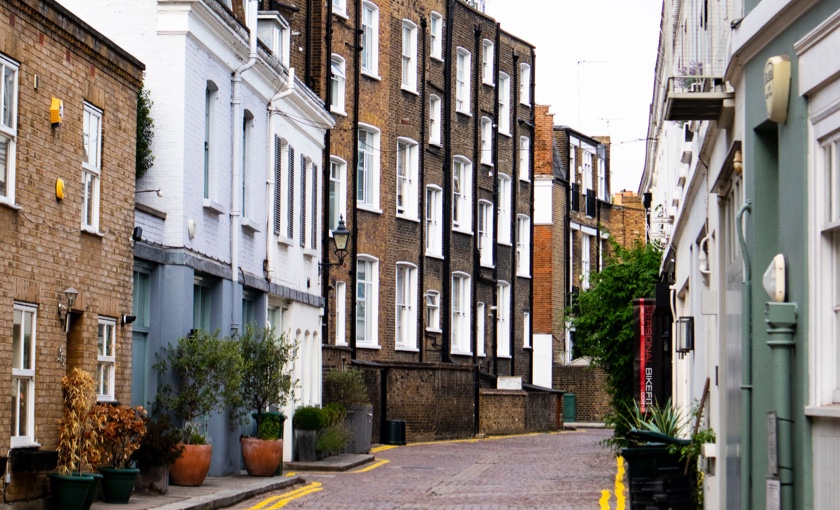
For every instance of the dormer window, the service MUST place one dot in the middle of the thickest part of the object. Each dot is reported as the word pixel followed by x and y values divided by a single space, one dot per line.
pixel 274 32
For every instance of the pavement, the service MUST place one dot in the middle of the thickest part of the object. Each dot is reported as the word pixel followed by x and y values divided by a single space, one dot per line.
pixel 225 491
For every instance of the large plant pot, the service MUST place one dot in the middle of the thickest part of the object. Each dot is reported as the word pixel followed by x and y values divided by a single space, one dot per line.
pixel 72 492
pixel 152 480
pixel 305 445
pixel 192 466
pixel 118 484
pixel 262 457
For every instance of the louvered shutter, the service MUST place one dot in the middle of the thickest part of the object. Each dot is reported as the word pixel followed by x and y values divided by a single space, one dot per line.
pixel 278 180
pixel 291 232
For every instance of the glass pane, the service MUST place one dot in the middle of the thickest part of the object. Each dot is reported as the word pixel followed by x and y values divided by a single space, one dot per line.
pixel 8 96
pixel 110 334
pixel 361 326
pixel 17 341
pixel 28 362
pixel 23 407
pixel 94 141
pixel 4 156
pixel 106 379
pixel 100 379
pixel 14 411
pixel 100 340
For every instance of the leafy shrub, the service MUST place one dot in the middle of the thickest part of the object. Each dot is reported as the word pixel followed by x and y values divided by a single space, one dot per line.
pixel 121 429
pixel 271 426
pixel 161 445
pixel 309 418
pixel 145 133
pixel 78 434
pixel 346 387
pixel 333 439
pixel 335 414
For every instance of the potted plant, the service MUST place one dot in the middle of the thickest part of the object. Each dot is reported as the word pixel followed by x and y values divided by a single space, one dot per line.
pixel 336 434
pixel 347 388
pixel 307 421
pixel 121 430
pixel 206 371
pixel 161 446
pixel 71 486
pixel 267 381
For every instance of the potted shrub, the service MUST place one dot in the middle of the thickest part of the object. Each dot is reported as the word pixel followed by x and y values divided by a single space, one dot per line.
pixel 206 371
pixel 347 387
pixel 307 421
pixel 336 434
pixel 71 486
pixel 266 381
pixel 121 430
pixel 161 446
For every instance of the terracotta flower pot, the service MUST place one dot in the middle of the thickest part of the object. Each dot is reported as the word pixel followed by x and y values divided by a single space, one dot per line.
pixel 262 457
pixel 192 466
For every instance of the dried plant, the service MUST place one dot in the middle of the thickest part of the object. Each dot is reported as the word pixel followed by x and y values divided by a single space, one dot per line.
pixel 122 429
pixel 78 431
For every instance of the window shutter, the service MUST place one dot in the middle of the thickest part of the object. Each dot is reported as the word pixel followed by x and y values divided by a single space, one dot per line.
pixel 278 179
pixel 314 237
pixel 291 232
pixel 303 200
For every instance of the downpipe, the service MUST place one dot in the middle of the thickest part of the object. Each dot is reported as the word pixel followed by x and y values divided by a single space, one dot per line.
pixel 746 365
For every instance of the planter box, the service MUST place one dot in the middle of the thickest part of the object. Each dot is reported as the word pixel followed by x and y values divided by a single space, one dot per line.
pixel 305 445
pixel 152 480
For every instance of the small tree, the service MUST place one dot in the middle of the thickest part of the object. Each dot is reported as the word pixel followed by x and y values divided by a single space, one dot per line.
pixel 144 158
pixel 267 378
pixel 603 320
pixel 207 371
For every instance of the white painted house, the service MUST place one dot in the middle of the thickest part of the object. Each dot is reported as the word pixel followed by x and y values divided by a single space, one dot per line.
pixel 230 210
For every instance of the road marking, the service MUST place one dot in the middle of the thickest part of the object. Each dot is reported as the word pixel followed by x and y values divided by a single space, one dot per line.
pixel 619 484
pixel 372 466
pixel 382 448
pixel 281 500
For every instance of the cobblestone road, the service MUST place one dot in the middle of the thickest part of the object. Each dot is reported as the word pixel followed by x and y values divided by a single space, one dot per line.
pixel 558 471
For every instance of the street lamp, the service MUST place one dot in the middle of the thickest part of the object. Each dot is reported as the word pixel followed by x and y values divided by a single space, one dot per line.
pixel 340 237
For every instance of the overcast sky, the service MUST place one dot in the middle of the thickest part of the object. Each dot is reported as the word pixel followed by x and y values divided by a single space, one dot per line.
pixel 594 68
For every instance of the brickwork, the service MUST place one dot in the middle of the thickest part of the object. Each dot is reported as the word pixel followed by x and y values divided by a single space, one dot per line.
pixel 45 250
pixel 502 412
pixel 543 411
pixel 589 386
pixel 627 219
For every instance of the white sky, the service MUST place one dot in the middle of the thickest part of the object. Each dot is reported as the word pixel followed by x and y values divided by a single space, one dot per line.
pixel 594 68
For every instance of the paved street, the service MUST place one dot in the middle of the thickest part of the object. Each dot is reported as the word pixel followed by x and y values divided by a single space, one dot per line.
pixel 560 470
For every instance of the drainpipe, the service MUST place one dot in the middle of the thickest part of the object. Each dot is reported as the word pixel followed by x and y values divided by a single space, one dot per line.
pixel 421 328
pixel 746 365
pixel 781 320
pixel 307 68
pixel 476 174
pixel 270 183
pixel 236 175
pixel 446 298
pixel 357 75
pixel 497 59
pixel 532 156
pixel 325 184
pixel 514 100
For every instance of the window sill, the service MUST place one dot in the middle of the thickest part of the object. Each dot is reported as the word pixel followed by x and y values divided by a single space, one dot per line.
pixel 526 276
pixel 31 444
pixel 369 208
pixel 465 114
pixel 525 179
pixel 413 219
pixel 504 243
pixel 93 231
pixel 433 330
pixel 250 226
pixel 487 163
pixel 411 91
pixel 435 143
pixel 406 349
pixel 10 205
pixel 487 266
pixel 460 231
pixel 437 58
pixel 371 75
pixel 108 399
pixel 489 84
pixel 342 15
pixel 503 356
pixel 527 105
pixel 310 253
pixel 461 353
pixel 285 241
pixel 829 411
pixel 368 346
pixel 435 255
pixel 339 112
pixel 214 207
pixel 507 135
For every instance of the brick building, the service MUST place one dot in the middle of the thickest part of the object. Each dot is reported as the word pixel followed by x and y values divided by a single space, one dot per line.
pixel 430 164
pixel 54 240
pixel 627 219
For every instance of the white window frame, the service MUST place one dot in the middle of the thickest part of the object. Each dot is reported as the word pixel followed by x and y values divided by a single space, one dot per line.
pixel 587 169
pixel 408 162
pixel 462 195
pixel 405 328
pixel 504 104
pixel 524 158
pixel 370 39
pixel 24 375
pixel 340 313
pixel 480 326
pixel 369 157
pixel 486 141
pixel 247 135
pixel 8 126
pixel 602 178
pixel 339 7
pixel 523 245
pixel 436 36
pixel 434 221
pixel 485 232
pixel 91 168
pixel 409 56
pixel 525 84
pixel 585 260
pixel 106 358
pixel 503 320
pixel 462 81
pixel 338 84
pixel 434 119
pixel 526 330
pixel 433 311
pixel 460 323
pixel 338 182
pixel 210 95
pixel 487 62
pixel 370 336
pixel 572 162
pixel 505 204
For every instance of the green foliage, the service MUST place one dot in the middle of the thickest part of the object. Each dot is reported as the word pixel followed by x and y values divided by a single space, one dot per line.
pixel 333 439
pixel 161 445
pixel 345 386
pixel 662 419
pixel 271 426
pixel 207 372
pixel 266 377
pixel 335 413
pixel 309 418
pixel 603 319
pixel 144 159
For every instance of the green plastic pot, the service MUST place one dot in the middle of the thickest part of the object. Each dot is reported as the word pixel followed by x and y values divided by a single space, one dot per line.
pixel 72 492
pixel 118 484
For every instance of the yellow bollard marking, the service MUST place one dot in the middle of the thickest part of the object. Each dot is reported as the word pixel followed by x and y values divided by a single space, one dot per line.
pixel 372 466
pixel 619 485
pixel 605 500
pixel 289 496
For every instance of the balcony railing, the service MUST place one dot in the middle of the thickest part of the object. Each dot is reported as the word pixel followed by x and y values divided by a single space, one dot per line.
pixel 696 98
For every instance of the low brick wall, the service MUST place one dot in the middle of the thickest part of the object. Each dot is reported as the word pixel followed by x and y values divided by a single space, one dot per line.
pixel 589 386
pixel 502 412
pixel 543 411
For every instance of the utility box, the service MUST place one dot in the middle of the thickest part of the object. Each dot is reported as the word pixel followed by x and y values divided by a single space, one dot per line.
pixel 394 432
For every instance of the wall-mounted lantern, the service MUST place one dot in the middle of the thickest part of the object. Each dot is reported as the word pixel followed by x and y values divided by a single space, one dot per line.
pixel 65 307
pixel 684 331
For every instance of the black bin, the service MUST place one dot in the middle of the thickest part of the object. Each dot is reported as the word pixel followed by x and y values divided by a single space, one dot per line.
pixel 394 432
pixel 656 477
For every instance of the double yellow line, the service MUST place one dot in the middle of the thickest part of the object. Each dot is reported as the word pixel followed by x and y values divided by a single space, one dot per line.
pixel 280 501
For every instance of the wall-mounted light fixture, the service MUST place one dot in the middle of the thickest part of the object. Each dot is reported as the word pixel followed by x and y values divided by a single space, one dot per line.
pixel 684 331
pixel 774 279
pixel 738 163
pixel 128 319
pixel 65 307
pixel 340 237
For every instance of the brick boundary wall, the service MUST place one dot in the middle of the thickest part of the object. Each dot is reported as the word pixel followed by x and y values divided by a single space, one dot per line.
pixel 543 411
pixel 517 412
pixel 589 386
